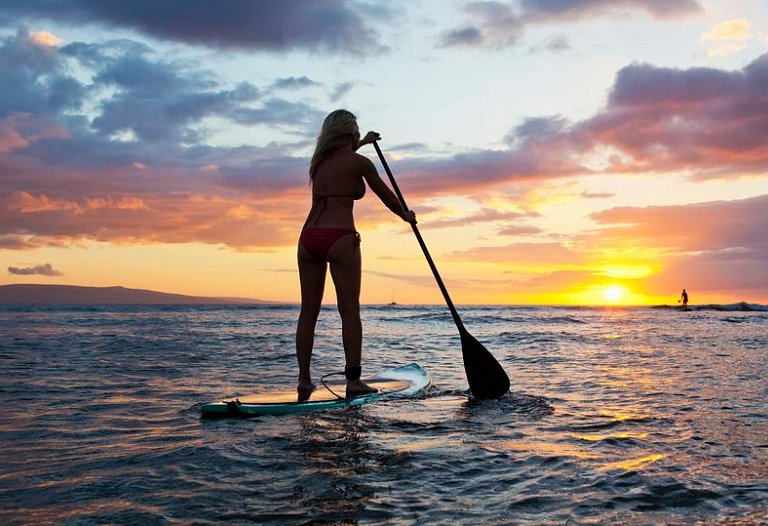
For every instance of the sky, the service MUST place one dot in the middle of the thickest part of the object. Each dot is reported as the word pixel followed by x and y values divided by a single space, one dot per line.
pixel 555 151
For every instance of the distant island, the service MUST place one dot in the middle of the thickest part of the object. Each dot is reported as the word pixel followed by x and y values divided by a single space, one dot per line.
pixel 74 295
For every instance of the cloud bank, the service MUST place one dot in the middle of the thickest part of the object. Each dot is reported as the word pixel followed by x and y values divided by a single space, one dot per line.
pixel 122 154
pixel 264 25
pixel 502 24
pixel 707 122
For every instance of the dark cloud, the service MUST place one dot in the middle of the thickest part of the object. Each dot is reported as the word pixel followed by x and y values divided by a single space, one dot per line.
pixel 711 121
pixel 268 25
pixel 534 128
pixel 155 103
pixel 155 99
pixel 154 106
pixel 502 24
pixel 577 9
pixel 42 270
pixel 294 83
pixel 340 91
pixel 33 78
pixel 466 36
pixel 494 24
pixel 640 85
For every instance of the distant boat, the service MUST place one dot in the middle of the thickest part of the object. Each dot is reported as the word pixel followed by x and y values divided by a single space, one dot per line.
pixel 393 302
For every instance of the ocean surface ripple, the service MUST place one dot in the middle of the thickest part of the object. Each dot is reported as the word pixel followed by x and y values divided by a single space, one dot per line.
pixel 615 416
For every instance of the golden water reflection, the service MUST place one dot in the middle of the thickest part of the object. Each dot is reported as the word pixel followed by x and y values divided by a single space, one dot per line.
pixel 622 435
pixel 625 413
pixel 539 449
pixel 635 464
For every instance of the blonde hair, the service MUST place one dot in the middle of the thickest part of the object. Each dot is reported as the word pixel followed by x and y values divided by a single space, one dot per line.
pixel 337 127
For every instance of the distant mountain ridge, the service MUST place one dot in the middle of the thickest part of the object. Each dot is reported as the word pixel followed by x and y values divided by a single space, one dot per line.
pixel 76 295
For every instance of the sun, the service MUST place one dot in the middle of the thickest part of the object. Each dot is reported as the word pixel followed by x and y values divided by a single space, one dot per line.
pixel 613 293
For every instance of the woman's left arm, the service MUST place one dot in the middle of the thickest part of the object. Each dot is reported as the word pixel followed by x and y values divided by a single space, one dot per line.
pixel 369 138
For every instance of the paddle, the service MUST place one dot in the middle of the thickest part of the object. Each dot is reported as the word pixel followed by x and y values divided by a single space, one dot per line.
pixel 485 375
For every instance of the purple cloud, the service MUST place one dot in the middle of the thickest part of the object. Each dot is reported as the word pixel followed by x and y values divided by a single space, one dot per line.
pixel 704 121
pixel 577 9
pixel 466 36
pixel 266 25
pixel 136 166
pixel 502 24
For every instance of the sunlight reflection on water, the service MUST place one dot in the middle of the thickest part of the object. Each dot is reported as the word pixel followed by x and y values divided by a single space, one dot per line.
pixel 631 416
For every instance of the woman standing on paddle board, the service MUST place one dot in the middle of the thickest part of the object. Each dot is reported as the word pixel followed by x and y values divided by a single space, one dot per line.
pixel 338 176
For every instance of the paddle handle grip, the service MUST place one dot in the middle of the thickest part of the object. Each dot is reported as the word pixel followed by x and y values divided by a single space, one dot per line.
pixel 422 244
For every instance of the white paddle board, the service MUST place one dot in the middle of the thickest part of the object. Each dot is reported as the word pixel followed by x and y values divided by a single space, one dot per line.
pixel 402 381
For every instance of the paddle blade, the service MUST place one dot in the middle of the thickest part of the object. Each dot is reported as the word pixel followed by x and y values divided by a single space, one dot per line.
pixel 486 377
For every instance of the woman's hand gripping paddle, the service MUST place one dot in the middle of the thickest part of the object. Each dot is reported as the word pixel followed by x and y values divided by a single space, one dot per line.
pixel 485 375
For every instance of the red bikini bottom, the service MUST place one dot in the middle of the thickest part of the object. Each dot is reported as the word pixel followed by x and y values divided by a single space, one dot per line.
pixel 318 240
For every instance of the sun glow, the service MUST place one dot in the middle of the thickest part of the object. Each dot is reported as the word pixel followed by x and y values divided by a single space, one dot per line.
pixel 614 293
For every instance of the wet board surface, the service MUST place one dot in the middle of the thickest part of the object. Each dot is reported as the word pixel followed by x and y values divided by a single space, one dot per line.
pixel 402 381
pixel 321 394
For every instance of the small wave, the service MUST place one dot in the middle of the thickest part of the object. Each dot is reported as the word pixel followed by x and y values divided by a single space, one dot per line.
pixel 742 306
pixel 519 403
pixel 666 495
pixel 561 319
pixel 511 402
pixel 427 317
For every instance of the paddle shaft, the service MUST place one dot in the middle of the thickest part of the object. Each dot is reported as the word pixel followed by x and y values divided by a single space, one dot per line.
pixel 423 245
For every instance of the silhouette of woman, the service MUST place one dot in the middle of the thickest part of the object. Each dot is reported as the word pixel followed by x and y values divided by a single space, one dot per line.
pixel 684 298
pixel 338 176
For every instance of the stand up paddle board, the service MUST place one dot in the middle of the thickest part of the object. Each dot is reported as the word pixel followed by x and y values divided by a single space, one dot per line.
pixel 403 381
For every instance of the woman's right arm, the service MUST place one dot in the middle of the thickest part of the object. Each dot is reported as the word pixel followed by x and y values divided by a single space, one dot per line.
pixel 386 195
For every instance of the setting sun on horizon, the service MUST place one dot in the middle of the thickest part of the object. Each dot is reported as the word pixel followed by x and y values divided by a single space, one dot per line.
pixel 613 293
pixel 595 154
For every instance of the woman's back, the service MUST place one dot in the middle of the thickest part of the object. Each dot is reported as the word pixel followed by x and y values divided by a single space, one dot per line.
pixel 337 183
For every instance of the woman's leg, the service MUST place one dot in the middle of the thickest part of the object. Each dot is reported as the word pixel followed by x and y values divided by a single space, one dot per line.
pixel 344 257
pixel 312 279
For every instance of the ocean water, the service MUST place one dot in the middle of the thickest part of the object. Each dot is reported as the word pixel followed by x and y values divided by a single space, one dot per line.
pixel 615 416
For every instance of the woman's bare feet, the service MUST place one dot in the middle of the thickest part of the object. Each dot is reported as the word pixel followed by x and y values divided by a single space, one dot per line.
pixel 359 388
pixel 305 390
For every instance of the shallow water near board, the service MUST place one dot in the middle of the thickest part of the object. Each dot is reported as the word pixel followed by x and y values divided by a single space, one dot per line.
pixel 633 416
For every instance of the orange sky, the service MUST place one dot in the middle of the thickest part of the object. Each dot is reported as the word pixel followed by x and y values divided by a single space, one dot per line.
pixel 580 153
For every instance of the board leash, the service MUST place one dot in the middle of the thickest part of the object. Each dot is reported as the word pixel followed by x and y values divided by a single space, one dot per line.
pixel 334 393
